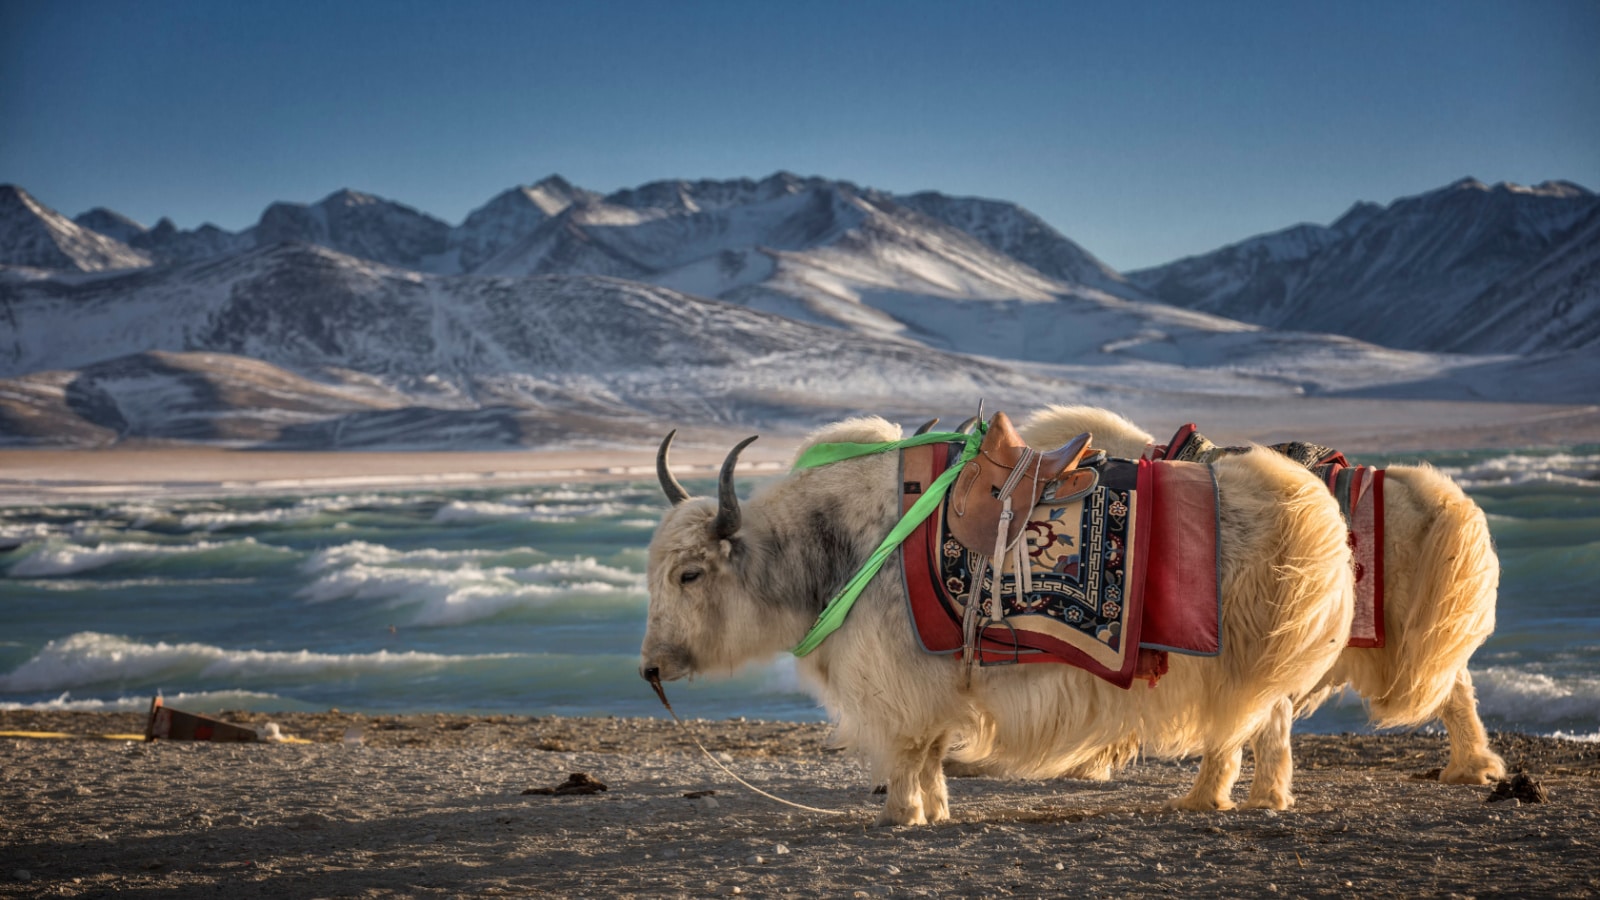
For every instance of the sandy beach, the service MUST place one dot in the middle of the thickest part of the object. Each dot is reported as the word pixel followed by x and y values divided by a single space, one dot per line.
pixel 436 806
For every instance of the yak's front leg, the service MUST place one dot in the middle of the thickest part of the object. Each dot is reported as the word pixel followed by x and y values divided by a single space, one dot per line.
pixel 915 796
pixel 935 794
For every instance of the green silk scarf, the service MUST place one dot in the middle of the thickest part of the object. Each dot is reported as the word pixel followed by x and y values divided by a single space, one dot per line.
pixel 834 613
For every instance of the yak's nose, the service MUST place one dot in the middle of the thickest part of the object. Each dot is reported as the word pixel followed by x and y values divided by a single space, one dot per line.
pixel 651 674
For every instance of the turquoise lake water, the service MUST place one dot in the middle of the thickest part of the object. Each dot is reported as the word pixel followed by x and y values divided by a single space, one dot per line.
pixel 531 601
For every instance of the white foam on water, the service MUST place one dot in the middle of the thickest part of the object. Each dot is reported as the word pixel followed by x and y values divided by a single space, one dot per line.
pixel 304 509
pixel 25 532
pixel 1528 698
pixel 365 553
pixel 91 658
pixel 1578 470
pixel 570 494
pixel 53 559
pixel 198 701
pixel 478 510
pixel 469 592
pixel 475 510
pixel 85 584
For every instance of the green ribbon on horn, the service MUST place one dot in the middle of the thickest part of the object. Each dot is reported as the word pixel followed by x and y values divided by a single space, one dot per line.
pixel 834 613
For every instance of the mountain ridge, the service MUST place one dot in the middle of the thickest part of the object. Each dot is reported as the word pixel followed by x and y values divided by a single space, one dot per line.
pixel 35 236
pixel 359 321
pixel 1405 275
pixel 308 337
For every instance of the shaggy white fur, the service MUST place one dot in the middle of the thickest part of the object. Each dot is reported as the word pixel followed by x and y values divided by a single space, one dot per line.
pixel 1441 576
pixel 1287 603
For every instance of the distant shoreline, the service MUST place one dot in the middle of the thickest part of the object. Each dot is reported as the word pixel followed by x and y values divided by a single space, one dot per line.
pixel 43 475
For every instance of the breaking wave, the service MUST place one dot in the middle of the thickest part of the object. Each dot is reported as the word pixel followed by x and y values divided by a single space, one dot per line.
pixel 479 510
pixel 1535 700
pixel 1574 469
pixel 302 510
pixel 465 593
pixel 53 559
pixel 364 553
pixel 89 659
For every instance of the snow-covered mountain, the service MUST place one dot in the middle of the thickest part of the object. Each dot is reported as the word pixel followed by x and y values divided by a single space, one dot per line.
pixel 928 269
pixel 36 236
pixel 308 338
pixel 359 225
pixel 511 216
pixel 1021 235
pixel 1552 305
pixel 1421 273
pixel 1251 277
pixel 175 396
pixel 169 244
pixel 110 223
pixel 357 321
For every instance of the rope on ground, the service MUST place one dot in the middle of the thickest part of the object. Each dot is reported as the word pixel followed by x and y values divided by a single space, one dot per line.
pixel 660 692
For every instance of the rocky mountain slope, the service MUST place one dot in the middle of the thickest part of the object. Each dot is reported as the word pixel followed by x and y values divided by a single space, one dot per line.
pixel 301 344
pixel 1429 272
pixel 35 236
pixel 358 321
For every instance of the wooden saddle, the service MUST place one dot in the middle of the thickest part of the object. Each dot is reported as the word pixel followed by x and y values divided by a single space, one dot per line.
pixel 1008 477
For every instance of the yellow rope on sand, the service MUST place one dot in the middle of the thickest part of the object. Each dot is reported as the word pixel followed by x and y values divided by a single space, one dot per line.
pixel 62 735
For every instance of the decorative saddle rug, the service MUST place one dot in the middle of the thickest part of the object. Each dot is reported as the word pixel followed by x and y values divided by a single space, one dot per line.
pixel 1121 573
pixel 1359 490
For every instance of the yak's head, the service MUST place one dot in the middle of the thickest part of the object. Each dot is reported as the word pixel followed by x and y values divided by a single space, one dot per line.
pixel 702 615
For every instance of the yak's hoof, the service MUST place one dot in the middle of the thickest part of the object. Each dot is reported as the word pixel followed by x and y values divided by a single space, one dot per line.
pixel 1273 800
pixel 910 817
pixel 1188 803
pixel 1479 771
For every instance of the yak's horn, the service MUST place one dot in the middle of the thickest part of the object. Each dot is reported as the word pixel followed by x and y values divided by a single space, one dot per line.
pixel 669 485
pixel 727 521
pixel 928 425
pixel 967 426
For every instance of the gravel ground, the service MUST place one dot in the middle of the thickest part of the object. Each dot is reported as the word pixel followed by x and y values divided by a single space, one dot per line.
pixel 435 806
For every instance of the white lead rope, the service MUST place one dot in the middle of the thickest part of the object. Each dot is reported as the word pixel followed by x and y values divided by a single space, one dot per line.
pixel 660 692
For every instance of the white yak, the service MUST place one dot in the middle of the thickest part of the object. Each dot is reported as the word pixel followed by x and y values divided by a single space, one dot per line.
pixel 1440 580
pixel 732 583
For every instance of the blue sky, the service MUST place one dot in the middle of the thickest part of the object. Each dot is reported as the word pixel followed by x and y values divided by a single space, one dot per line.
pixel 1143 130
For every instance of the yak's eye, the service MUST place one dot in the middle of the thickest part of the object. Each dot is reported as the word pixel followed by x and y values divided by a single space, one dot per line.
pixel 689 576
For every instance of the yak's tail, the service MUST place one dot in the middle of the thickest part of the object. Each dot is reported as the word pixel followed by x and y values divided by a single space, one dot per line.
pixel 1450 613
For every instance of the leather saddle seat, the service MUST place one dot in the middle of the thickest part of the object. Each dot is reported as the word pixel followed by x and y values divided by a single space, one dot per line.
pixel 978 499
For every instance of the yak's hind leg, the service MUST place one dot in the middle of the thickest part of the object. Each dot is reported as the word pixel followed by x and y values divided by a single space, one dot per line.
pixel 1213 786
pixel 1287 596
pixel 1471 760
pixel 917 794
pixel 1274 760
